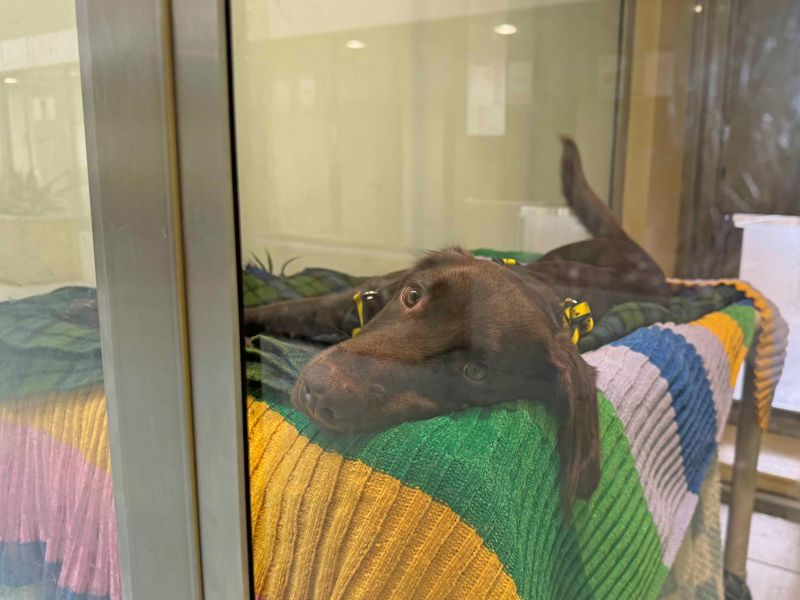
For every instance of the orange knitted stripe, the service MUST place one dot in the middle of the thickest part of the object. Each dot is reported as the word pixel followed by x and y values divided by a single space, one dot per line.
pixel 329 527
pixel 727 331
pixel 76 418
pixel 765 345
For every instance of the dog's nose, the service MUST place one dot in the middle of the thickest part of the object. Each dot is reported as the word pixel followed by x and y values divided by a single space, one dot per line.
pixel 316 391
pixel 305 394
pixel 331 393
pixel 312 396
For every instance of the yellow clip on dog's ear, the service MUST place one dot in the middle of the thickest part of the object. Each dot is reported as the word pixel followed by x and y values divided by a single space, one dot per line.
pixel 577 318
pixel 360 312
pixel 362 305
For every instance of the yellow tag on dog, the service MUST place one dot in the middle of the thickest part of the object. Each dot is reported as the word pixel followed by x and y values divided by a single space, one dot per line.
pixel 577 318
pixel 360 312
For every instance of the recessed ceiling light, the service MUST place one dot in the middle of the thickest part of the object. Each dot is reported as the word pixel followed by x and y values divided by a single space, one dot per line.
pixel 355 44
pixel 10 80
pixel 698 8
pixel 505 29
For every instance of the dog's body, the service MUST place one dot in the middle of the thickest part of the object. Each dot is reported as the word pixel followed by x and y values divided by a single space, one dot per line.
pixel 455 331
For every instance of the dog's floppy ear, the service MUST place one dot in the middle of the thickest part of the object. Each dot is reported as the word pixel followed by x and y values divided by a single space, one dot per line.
pixel 579 436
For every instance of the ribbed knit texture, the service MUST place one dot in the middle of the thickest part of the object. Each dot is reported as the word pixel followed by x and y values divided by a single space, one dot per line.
pixel 770 350
pixel 697 570
pixel 662 391
pixel 57 525
pixel 465 505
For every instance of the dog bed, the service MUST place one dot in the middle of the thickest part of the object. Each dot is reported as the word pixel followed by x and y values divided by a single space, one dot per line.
pixel 464 505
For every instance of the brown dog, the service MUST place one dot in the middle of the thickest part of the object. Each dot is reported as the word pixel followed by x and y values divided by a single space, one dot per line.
pixel 455 331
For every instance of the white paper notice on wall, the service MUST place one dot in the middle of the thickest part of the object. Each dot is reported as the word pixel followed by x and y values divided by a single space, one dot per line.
pixel 36 108
pixel 307 91
pixel 282 96
pixel 486 100
pixel 520 83
pixel 50 108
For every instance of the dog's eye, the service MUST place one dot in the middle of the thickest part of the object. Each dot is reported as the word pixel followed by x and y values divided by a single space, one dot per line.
pixel 476 371
pixel 411 295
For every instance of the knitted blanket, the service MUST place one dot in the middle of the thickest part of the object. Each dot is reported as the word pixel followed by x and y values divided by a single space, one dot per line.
pixel 43 350
pixel 58 536
pixel 773 340
pixel 60 539
pixel 697 571
pixel 463 504
pixel 467 503
pixel 45 347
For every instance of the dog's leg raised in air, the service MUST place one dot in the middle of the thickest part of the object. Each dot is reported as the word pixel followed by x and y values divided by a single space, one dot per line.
pixel 591 211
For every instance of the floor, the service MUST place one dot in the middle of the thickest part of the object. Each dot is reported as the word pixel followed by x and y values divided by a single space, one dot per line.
pixel 778 462
pixel 773 558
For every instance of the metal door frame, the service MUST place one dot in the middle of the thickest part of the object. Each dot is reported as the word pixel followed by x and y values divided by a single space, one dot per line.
pixel 156 92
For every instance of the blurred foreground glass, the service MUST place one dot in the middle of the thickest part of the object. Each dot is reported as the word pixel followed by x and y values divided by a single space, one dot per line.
pixel 57 527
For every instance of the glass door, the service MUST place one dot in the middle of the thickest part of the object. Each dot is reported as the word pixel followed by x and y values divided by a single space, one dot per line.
pixel 121 445
pixel 58 531
pixel 384 299
pixel 368 134
pixel 433 197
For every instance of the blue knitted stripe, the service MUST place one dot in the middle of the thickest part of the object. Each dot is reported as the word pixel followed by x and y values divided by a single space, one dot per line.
pixel 681 366
pixel 23 564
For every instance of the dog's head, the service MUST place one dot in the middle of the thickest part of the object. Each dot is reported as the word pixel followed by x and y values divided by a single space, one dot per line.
pixel 460 332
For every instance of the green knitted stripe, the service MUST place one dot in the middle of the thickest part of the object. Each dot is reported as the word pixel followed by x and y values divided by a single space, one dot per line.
pixel 619 541
pixel 496 468
pixel 745 315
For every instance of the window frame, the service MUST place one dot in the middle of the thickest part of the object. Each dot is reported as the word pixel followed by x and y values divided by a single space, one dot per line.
pixel 155 73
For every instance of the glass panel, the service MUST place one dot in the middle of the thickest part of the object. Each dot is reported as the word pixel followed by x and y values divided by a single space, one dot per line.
pixel 57 528
pixel 398 128
pixel 524 413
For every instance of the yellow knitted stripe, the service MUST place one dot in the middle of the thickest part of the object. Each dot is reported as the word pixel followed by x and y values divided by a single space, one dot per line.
pixel 764 347
pixel 77 419
pixel 730 337
pixel 329 527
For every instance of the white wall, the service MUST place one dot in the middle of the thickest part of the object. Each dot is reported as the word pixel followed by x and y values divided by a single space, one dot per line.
pixel 435 132
pixel 45 227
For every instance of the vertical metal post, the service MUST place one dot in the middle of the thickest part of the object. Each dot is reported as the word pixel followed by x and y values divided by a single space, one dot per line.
pixel 743 483
pixel 627 16
pixel 211 252
pixel 126 70
pixel 158 124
